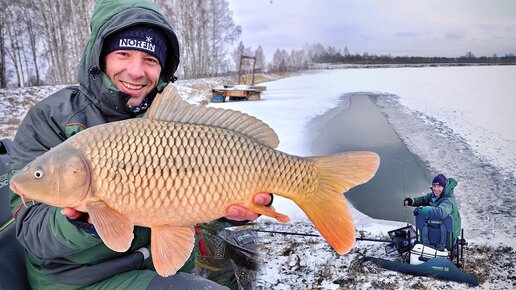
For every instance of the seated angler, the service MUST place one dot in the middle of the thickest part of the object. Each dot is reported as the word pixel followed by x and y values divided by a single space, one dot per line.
pixel 439 203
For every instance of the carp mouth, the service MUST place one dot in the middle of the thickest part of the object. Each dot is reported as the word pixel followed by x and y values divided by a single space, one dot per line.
pixel 19 193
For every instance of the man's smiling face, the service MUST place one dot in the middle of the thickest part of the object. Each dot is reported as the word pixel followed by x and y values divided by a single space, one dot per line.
pixel 133 72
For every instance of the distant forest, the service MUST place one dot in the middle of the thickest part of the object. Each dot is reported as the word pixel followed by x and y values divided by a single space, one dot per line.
pixel 318 54
pixel 41 43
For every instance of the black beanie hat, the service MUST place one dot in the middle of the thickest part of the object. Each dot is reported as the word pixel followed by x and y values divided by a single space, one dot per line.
pixel 440 179
pixel 144 38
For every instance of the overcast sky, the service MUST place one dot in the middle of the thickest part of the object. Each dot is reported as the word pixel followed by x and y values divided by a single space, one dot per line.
pixel 396 27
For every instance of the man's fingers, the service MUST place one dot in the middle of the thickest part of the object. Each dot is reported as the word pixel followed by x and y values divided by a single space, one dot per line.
pixel 262 198
pixel 238 213
pixel 74 214
pixel 71 213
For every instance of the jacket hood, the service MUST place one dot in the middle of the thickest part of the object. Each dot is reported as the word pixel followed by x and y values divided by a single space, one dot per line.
pixel 450 185
pixel 110 16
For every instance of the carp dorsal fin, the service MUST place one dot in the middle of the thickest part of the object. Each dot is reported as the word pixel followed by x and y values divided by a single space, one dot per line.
pixel 169 106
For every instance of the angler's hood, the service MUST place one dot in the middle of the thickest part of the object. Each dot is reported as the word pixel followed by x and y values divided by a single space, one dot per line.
pixel 110 16
pixel 450 185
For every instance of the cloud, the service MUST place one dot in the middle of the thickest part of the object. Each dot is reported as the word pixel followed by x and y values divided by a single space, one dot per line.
pixel 406 34
pixel 454 36
pixel 437 27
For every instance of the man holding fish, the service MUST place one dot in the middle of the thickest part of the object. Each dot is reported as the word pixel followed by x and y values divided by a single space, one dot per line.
pixel 131 56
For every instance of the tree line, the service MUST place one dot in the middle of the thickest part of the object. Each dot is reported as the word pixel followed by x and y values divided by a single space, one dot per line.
pixel 333 55
pixel 311 54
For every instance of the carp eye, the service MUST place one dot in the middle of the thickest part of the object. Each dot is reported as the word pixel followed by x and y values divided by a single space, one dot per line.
pixel 38 173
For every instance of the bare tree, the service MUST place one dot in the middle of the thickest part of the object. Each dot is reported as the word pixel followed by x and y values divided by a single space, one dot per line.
pixel 48 13
pixel 223 33
pixel 3 24
pixel 345 52
pixel 280 61
pixel 298 60
pixel 260 59
pixel 80 29
pixel 31 22
pixel 239 51
pixel 18 40
pixel 316 51
pixel 66 30
pixel 205 30
pixel 13 33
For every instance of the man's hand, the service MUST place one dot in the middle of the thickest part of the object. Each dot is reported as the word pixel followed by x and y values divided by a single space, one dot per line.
pixel 74 214
pixel 408 201
pixel 81 220
pixel 240 213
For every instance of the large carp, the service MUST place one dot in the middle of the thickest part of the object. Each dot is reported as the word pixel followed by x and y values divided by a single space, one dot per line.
pixel 182 165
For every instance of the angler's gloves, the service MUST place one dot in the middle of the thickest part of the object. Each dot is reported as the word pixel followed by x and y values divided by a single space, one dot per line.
pixel 408 201
pixel 423 210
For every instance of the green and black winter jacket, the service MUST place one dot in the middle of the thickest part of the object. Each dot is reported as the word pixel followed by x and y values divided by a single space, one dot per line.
pixel 437 208
pixel 61 255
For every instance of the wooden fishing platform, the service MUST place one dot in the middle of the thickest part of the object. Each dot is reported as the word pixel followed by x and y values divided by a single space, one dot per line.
pixel 245 90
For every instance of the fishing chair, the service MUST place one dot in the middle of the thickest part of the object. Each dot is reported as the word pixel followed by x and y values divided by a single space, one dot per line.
pixel 13 274
pixel 435 233
pixel 439 234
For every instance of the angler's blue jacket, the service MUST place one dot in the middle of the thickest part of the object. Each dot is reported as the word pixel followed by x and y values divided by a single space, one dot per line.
pixel 437 208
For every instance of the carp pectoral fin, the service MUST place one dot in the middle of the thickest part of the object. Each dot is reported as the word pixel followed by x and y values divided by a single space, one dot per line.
pixel 115 230
pixel 270 212
pixel 171 247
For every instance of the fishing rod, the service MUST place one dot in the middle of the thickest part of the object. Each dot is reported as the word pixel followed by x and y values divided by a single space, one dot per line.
pixel 315 235
pixel 403 184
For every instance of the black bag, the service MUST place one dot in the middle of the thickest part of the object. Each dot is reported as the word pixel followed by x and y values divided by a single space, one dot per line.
pixel 13 274
pixel 5 168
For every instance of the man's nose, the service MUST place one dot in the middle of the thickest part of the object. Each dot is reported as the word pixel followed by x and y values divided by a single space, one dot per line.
pixel 136 69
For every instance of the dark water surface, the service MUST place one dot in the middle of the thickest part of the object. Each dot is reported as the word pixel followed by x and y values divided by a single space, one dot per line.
pixel 358 125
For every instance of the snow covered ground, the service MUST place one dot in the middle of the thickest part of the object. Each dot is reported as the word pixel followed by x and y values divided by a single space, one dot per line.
pixel 458 120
